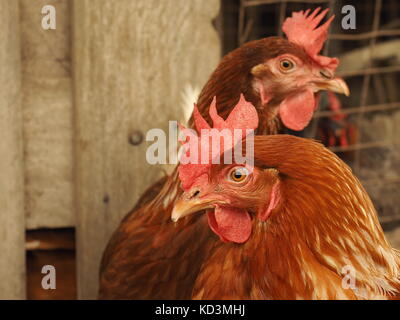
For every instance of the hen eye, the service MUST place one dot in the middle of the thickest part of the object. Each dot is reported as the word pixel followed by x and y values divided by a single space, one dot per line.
pixel 238 174
pixel 286 65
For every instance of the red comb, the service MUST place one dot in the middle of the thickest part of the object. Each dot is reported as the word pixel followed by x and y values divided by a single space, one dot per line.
pixel 243 116
pixel 302 29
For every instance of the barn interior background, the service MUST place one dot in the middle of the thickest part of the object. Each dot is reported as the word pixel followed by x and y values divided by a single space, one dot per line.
pixel 77 101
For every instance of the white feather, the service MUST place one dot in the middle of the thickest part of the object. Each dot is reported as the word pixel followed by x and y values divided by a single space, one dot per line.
pixel 190 95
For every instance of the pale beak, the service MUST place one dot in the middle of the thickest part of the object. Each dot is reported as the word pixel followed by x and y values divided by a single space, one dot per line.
pixel 337 85
pixel 186 206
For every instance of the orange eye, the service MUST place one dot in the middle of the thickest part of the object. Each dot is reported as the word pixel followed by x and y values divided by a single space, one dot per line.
pixel 238 174
pixel 286 65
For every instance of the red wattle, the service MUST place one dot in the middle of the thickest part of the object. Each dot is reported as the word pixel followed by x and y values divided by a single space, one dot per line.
pixel 230 224
pixel 296 111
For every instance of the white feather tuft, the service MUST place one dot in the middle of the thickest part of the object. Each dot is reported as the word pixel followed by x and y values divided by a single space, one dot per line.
pixel 190 95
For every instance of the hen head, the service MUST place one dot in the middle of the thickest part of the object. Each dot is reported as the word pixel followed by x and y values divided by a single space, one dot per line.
pixel 279 76
pixel 295 76
pixel 232 194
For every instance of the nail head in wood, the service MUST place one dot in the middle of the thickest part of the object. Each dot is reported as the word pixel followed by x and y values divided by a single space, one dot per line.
pixel 136 138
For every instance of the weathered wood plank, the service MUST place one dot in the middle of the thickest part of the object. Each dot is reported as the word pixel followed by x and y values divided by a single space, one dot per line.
pixel 47 115
pixel 12 222
pixel 131 62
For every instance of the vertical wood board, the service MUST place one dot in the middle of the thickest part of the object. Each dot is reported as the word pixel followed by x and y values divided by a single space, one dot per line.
pixel 12 222
pixel 132 60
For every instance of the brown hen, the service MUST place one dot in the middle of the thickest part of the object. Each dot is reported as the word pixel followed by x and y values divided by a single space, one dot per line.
pixel 294 224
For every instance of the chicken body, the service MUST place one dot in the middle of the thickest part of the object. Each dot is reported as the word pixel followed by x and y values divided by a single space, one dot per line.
pixel 149 257
pixel 322 239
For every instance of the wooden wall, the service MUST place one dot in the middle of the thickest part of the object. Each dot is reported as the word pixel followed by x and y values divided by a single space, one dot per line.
pixel 47 115
pixel 12 220
pixel 73 99
pixel 131 62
